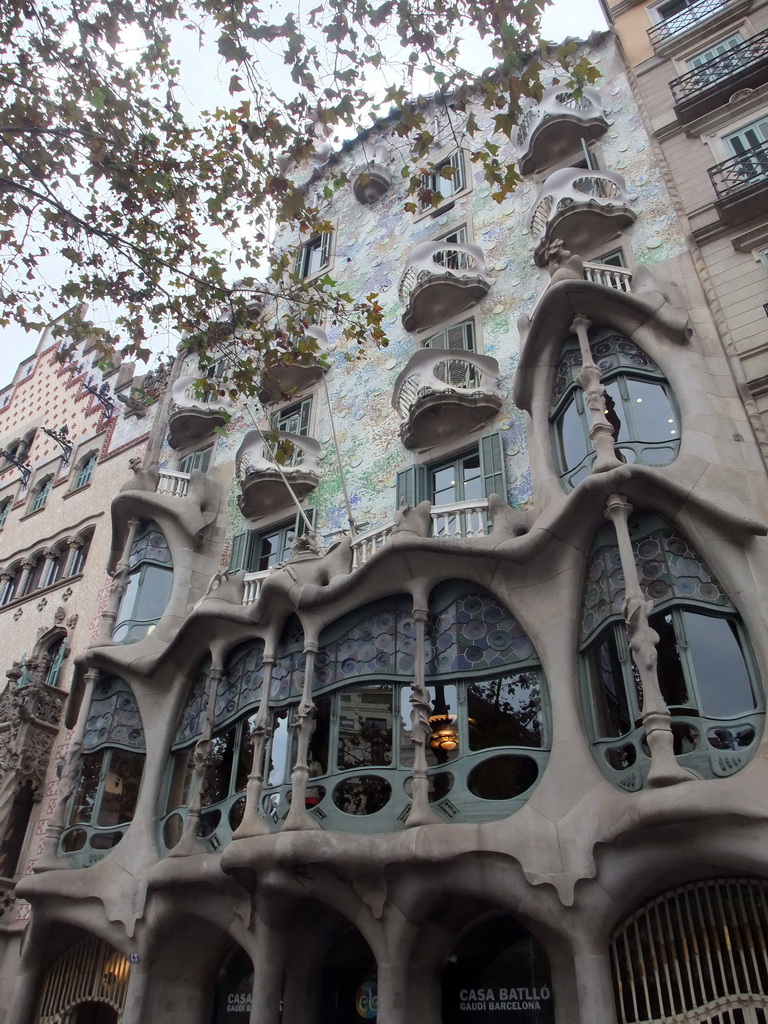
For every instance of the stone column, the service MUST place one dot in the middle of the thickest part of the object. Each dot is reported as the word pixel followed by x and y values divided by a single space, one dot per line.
pixel 298 818
pixel 74 544
pixel 70 775
pixel 268 964
pixel 189 843
pixel 594 983
pixel 589 380
pixel 26 571
pixel 136 995
pixel 657 721
pixel 6 578
pixel 50 555
pixel 253 824
pixel 119 583
pixel 392 992
pixel 26 994
pixel 420 813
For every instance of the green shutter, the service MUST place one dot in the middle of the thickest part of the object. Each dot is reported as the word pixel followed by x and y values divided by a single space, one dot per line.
pixel 238 552
pixel 300 527
pixel 492 465
pixel 412 486
pixel 325 249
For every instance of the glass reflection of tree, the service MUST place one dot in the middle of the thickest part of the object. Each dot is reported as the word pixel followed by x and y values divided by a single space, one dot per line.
pixel 505 712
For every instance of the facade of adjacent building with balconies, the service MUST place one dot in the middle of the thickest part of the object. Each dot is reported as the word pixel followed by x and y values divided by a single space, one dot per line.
pixel 430 686
pixel 699 71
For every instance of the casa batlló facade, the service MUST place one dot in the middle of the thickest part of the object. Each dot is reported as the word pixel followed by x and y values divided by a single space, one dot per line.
pixel 431 687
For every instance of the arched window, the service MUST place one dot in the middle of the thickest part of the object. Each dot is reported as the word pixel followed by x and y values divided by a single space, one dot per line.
pixel 10 580
pixel 149 585
pixel 55 655
pixel 34 579
pixel 223 794
pixel 639 407
pixel 81 554
pixel 702 643
pixel 40 493
pixel 56 566
pixel 84 471
pixel 110 774
pixel 696 953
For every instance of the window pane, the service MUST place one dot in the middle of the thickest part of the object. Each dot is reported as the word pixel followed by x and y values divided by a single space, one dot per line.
pixel 365 726
pixel 219 773
pixel 273 549
pixel 652 412
pixel 278 751
pixel 245 754
pixel 121 787
pixel 443 743
pixel 87 788
pixel 609 696
pixel 674 687
pixel 154 590
pixel 320 739
pixel 721 673
pixel 570 436
pixel 472 484
pixel 313 259
pixel 444 485
pixel 181 775
pixel 615 412
pixel 505 712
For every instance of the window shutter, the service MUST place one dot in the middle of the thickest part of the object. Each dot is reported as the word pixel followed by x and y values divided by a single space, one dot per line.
pixel 238 552
pixel 298 261
pixel 325 249
pixel 457 163
pixel 412 486
pixel 306 408
pixel 492 465
pixel 300 527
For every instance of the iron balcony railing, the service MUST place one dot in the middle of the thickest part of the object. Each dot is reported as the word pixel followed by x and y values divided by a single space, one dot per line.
pixel 726 65
pixel 741 172
pixel 684 19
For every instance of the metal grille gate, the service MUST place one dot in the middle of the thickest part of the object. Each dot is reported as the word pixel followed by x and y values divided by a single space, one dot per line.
pixel 90 971
pixel 696 954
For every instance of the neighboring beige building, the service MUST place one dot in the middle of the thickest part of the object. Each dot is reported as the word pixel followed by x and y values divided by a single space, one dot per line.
pixel 430 688
pixel 68 433
pixel 699 73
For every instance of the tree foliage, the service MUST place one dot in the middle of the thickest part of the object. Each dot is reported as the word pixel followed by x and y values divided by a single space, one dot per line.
pixel 155 208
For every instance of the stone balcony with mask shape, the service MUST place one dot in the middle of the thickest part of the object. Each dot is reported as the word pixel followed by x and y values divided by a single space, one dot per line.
pixel 191 418
pixel 291 370
pixel 440 280
pixel 581 207
pixel 443 394
pixel 370 177
pixel 556 127
pixel 270 467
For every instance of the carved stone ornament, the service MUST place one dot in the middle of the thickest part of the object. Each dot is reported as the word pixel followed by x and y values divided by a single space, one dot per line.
pixel 17 614
pixel 42 604
pixel 67 594
pixel 72 620
pixel 58 615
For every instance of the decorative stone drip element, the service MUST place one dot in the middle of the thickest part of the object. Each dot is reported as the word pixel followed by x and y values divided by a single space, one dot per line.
pixel 664 770
pixel 590 381
pixel 298 819
pixel 253 824
pixel 70 776
pixel 119 583
pixel 420 813
pixel 202 759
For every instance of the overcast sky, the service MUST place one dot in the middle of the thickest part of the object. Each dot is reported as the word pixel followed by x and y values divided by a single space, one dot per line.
pixel 564 18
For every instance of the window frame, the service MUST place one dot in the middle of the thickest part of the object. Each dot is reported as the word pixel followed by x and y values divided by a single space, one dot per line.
pixel 199 458
pixel 41 492
pixel 86 467
pixel 457 158
pixel 322 242
pixel 246 546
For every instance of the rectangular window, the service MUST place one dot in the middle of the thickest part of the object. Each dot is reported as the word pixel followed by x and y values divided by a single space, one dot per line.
pixel 41 494
pixel 448 178
pixel 313 256
pixel 469 476
pixel 748 138
pixel 461 338
pixel 615 258
pixel 450 259
pixel 85 471
pixel 714 51
pixel 5 508
pixel 295 418
pixel 258 550
pixel 750 146
pixel 196 460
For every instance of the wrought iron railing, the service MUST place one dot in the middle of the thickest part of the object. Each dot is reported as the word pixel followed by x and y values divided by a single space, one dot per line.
pixel 684 19
pixel 741 172
pixel 721 68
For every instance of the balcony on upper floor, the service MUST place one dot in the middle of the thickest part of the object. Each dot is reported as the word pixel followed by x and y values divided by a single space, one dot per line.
pixel 192 419
pixel 583 208
pixel 441 279
pixel 695 17
pixel 741 185
pixel 270 468
pixel 290 371
pixel 443 394
pixel 744 66
pixel 555 127
pixel 370 177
